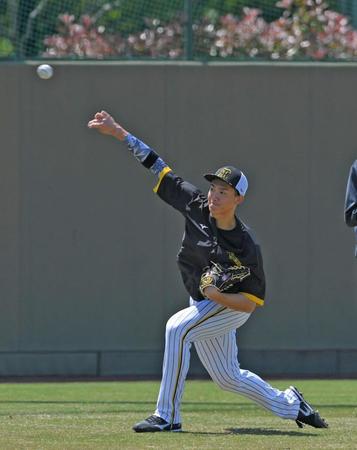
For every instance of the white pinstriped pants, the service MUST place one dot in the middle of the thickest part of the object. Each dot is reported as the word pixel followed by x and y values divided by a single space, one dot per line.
pixel 212 328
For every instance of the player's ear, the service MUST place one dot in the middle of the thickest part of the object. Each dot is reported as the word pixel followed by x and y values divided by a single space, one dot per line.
pixel 239 199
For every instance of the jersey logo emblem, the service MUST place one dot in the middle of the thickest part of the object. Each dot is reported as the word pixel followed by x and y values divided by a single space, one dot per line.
pixel 234 259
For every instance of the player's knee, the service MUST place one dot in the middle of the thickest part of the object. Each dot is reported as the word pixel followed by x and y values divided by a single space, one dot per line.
pixel 227 385
pixel 222 384
pixel 172 325
pixel 230 382
pixel 176 330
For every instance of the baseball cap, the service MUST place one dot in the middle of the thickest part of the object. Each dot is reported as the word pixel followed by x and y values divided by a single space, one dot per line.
pixel 232 176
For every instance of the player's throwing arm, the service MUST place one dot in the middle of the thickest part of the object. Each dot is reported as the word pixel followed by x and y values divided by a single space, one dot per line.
pixel 105 124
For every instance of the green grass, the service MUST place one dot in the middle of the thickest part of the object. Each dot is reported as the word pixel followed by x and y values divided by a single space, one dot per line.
pixel 99 415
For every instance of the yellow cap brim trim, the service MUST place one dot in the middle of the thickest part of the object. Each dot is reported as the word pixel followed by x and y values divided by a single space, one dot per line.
pixel 253 298
pixel 164 172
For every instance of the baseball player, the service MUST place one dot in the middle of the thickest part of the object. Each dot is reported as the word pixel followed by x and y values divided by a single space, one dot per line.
pixel 215 238
pixel 351 201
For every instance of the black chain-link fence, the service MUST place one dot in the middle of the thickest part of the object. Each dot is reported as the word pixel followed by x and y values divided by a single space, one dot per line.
pixel 179 29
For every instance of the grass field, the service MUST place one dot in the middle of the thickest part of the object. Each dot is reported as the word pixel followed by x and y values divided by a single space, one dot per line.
pixel 99 415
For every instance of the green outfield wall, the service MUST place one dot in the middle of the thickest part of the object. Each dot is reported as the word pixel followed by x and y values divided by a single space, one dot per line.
pixel 88 273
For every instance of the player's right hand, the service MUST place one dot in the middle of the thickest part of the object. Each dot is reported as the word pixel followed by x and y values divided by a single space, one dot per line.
pixel 105 124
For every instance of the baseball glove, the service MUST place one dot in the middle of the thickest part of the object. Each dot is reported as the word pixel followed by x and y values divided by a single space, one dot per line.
pixel 222 277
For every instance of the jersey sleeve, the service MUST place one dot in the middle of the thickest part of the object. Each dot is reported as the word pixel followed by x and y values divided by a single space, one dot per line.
pixel 351 197
pixel 253 287
pixel 177 192
pixel 170 188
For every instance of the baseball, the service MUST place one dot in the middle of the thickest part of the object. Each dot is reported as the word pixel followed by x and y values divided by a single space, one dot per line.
pixel 45 71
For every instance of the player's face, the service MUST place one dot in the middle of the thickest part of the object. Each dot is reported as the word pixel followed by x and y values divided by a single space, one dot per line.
pixel 222 199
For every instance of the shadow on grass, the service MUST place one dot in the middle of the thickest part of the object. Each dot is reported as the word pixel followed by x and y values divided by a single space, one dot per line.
pixel 267 432
pixel 252 432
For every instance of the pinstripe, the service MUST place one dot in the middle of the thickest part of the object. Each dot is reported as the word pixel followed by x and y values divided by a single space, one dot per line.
pixel 224 373
pixel 213 331
pixel 258 388
pixel 219 356
pixel 228 320
pixel 174 322
pixel 265 390
pixel 220 329
pixel 276 405
pixel 180 358
pixel 175 364
pixel 212 365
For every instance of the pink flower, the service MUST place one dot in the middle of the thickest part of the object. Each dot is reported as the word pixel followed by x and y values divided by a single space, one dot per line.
pixel 308 31
pixel 284 4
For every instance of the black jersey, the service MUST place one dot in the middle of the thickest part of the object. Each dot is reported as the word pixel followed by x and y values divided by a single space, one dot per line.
pixel 351 200
pixel 203 243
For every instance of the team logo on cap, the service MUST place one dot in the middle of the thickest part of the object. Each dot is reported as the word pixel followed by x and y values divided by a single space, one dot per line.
pixel 223 173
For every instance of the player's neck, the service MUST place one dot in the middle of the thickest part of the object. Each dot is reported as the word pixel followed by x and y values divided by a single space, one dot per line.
pixel 226 223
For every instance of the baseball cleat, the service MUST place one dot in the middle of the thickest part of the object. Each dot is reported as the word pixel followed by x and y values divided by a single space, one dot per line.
pixel 155 423
pixel 307 415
